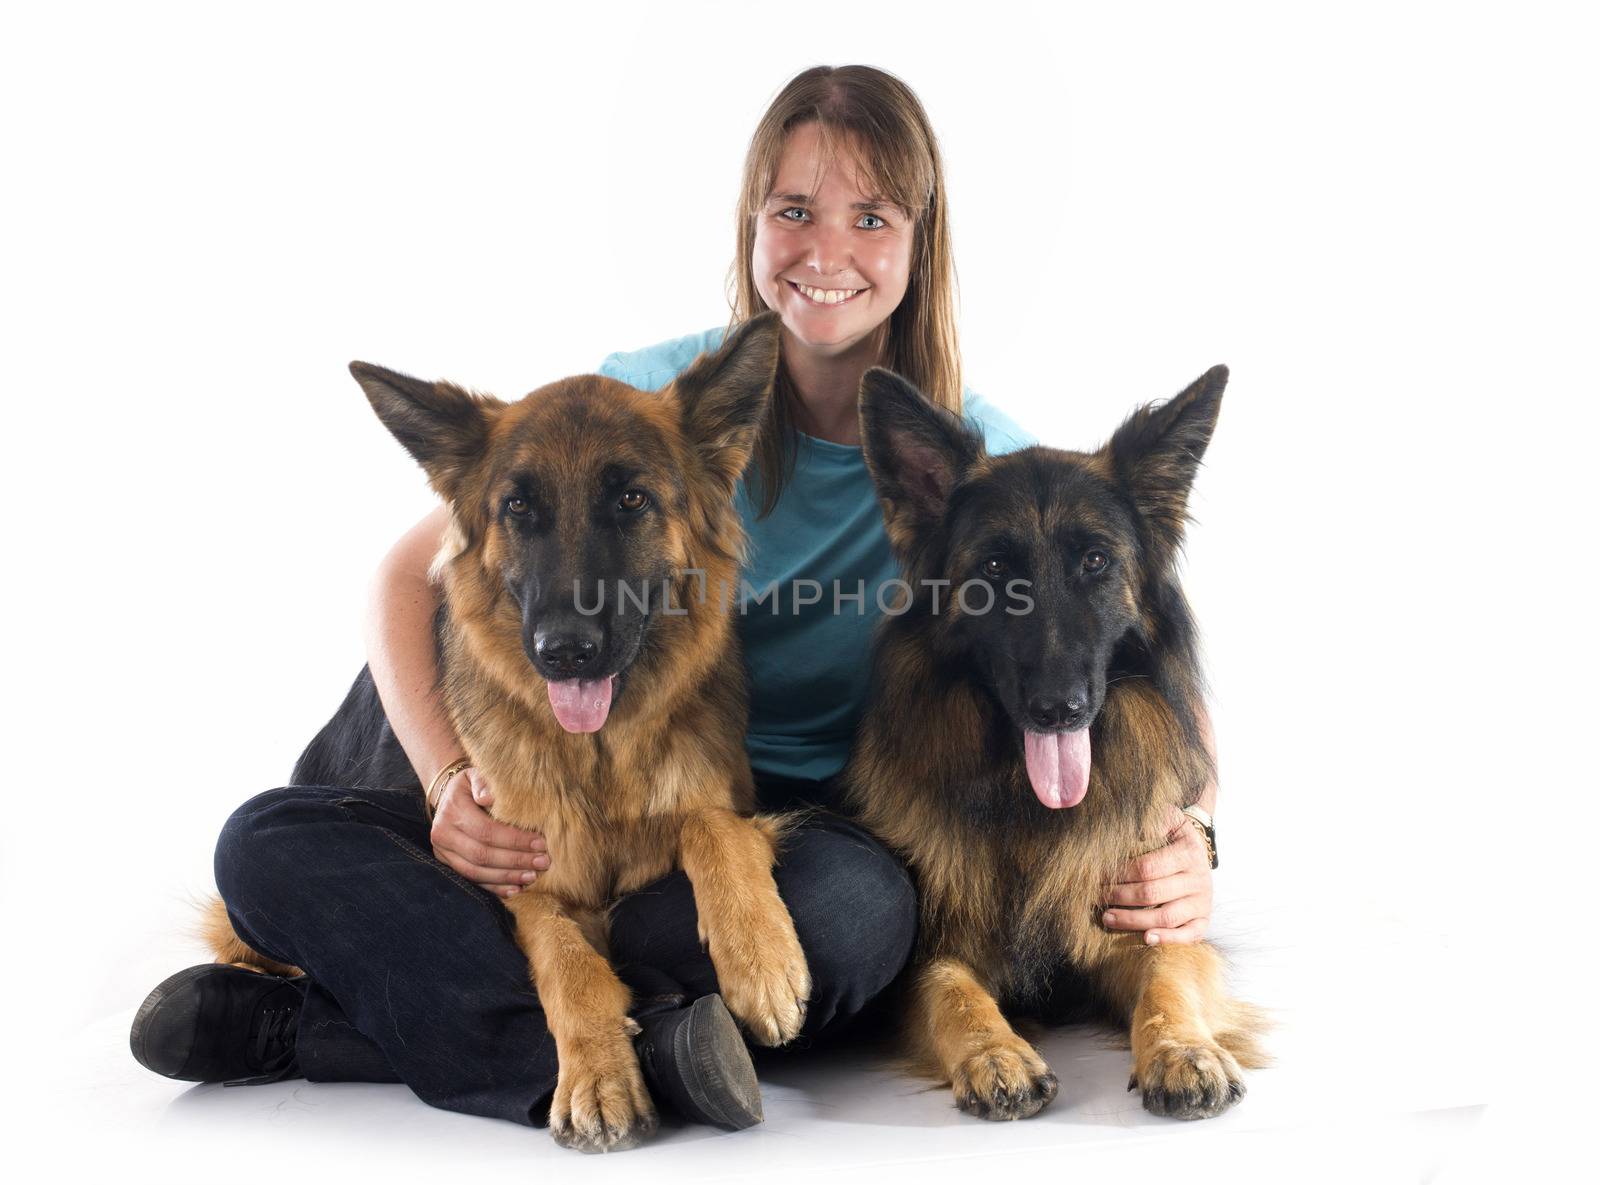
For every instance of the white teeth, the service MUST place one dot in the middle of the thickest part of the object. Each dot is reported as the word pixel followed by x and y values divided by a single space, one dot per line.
pixel 828 295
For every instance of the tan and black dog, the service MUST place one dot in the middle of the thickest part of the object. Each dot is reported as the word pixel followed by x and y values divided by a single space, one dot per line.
pixel 1032 726
pixel 597 687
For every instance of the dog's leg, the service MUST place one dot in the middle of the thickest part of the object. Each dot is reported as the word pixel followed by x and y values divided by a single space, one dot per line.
pixel 956 1026
pixel 600 1103
pixel 1180 1009
pixel 761 969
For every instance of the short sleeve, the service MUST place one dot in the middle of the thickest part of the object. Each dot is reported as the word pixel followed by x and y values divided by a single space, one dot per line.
pixel 1001 433
pixel 655 366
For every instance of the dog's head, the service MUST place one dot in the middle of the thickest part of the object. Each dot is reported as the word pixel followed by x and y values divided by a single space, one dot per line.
pixel 579 508
pixel 1050 559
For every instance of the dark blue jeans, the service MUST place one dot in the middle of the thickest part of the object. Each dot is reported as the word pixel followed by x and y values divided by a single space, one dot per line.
pixel 413 973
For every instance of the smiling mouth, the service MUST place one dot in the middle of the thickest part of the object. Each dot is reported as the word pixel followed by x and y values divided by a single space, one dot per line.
pixel 825 296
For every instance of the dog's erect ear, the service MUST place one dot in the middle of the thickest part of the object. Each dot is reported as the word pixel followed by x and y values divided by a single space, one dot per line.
pixel 1157 451
pixel 724 397
pixel 445 428
pixel 916 453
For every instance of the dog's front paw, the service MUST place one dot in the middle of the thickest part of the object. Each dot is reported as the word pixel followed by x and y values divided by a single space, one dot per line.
pixel 601 1104
pixel 1188 1081
pixel 1005 1081
pixel 763 978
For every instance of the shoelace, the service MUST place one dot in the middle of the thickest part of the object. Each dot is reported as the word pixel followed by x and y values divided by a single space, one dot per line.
pixel 277 1028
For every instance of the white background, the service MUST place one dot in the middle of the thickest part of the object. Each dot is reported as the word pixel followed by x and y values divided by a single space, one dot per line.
pixel 1380 216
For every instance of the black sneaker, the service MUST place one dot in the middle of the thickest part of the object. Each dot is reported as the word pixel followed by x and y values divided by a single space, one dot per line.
pixel 696 1063
pixel 216 1023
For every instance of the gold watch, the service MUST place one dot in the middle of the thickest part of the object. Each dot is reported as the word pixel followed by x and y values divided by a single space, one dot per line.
pixel 1208 830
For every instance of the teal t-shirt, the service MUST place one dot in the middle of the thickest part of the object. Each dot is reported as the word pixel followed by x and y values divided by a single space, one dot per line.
pixel 808 643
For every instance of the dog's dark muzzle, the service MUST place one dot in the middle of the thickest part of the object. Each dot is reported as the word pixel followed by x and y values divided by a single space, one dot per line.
pixel 583 636
pixel 1058 696
pixel 1061 710
pixel 567 651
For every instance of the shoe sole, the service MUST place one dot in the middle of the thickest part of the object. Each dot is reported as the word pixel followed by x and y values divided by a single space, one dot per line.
pixel 719 1075
pixel 141 1019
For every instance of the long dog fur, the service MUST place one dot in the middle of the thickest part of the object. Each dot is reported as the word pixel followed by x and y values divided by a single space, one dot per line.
pixel 665 782
pixel 1009 889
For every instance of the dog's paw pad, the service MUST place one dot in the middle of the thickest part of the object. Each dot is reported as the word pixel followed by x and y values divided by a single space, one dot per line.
pixel 1190 1081
pixel 768 996
pixel 1004 1083
pixel 601 1105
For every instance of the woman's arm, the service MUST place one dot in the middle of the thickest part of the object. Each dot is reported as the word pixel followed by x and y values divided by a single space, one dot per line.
pixel 405 669
pixel 400 648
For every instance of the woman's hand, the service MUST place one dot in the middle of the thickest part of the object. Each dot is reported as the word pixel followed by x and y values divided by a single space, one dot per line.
pixel 1165 893
pixel 502 858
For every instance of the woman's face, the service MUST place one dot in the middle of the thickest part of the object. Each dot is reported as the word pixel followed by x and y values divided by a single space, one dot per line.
pixel 833 259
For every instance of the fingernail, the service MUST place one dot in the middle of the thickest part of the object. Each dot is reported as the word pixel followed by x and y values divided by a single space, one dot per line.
pixel 1151 938
pixel 529 877
pixel 541 862
pixel 1108 917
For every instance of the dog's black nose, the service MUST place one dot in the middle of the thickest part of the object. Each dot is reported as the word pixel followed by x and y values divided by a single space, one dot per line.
pixel 1051 711
pixel 564 655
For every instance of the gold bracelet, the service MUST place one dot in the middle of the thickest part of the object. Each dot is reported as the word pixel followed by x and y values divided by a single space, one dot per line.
pixel 441 780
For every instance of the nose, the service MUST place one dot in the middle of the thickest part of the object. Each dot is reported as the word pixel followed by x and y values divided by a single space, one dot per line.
pixel 564 656
pixel 1059 711
pixel 830 250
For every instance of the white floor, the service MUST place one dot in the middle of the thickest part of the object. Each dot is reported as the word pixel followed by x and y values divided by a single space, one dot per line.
pixel 1371 1079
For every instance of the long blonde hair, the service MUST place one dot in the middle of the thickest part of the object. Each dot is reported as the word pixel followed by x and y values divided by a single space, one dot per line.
pixel 879 120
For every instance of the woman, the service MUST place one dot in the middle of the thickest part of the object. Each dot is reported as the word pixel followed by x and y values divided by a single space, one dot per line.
pixel 411 973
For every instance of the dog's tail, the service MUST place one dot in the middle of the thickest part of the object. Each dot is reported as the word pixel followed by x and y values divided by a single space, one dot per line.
pixel 777 826
pixel 227 947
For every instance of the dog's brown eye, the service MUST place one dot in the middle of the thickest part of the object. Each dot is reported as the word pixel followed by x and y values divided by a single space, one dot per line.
pixel 1094 561
pixel 517 506
pixel 993 568
pixel 633 500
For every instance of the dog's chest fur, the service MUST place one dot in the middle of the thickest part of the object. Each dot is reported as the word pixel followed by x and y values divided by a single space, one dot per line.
pixel 610 804
pixel 1017 897
pixel 1005 884
pixel 611 810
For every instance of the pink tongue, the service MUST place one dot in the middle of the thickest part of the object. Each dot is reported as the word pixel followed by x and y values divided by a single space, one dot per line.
pixel 581 705
pixel 1058 766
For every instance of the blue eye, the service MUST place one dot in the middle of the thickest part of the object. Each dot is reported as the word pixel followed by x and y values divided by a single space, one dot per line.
pixel 794 210
pixel 875 219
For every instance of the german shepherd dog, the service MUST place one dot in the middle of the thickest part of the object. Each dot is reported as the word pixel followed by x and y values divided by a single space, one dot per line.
pixel 603 700
pixel 974 757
